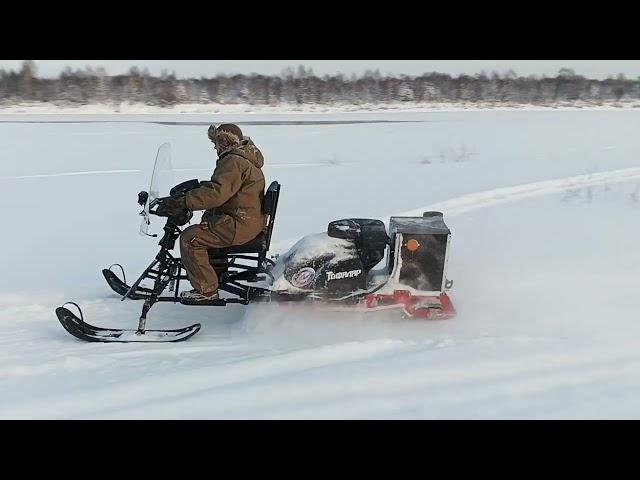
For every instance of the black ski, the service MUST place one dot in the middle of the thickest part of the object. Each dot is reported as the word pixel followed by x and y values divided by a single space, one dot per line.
pixel 87 332
pixel 121 288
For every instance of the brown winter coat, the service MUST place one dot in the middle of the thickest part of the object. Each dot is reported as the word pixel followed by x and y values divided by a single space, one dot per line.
pixel 233 198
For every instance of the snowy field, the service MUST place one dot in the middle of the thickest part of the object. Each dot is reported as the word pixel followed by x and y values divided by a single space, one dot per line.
pixel 543 206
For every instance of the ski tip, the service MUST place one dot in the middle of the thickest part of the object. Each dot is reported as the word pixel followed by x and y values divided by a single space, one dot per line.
pixel 63 313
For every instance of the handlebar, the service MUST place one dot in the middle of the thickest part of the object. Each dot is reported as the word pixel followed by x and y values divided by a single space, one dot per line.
pixel 143 198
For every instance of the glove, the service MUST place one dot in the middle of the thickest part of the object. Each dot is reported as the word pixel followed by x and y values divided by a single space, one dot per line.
pixel 172 206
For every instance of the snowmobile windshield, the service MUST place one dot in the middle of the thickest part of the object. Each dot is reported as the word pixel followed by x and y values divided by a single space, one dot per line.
pixel 162 180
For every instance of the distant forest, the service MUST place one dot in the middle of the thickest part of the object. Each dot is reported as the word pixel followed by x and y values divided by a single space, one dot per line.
pixel 302 86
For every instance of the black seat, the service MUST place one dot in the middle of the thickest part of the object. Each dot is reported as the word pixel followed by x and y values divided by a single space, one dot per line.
pixel 256 245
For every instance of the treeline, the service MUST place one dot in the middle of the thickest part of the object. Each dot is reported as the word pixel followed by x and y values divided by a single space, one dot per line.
pixel 302 86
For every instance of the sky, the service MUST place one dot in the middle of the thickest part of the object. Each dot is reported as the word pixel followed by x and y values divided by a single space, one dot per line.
pixel 195 68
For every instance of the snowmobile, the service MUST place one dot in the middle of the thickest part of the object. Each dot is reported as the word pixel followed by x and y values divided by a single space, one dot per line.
pixel 333 269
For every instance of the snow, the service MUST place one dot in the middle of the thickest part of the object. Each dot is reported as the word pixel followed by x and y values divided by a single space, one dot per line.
pixel 294 108
pixel 544 257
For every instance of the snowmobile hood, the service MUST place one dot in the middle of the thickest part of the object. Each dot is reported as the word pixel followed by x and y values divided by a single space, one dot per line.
pixel 248 150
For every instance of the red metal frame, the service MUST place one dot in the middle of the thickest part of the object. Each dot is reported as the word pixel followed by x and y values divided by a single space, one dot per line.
pixel 414 306
pixel 427 307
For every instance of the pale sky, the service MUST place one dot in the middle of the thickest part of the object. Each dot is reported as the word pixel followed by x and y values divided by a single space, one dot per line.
pixel 196 68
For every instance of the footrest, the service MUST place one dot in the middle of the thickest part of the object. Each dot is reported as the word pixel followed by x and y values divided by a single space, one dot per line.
pixel 209 303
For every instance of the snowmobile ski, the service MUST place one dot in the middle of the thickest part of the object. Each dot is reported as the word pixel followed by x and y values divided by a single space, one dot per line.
pixel 90 333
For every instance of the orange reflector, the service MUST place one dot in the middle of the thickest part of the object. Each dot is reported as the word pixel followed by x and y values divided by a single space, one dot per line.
pixel 413 245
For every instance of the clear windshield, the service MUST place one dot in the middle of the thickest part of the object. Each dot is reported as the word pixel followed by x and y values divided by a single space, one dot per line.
pixel 161 182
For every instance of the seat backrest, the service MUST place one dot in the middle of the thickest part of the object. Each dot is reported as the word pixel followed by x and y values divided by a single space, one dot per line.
pixel 269 207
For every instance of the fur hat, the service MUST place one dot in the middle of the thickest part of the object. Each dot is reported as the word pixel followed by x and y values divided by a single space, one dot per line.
pixel 225 140
pixel 228 128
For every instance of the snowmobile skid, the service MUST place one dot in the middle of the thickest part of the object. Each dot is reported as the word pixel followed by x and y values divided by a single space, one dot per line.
pixel 333 270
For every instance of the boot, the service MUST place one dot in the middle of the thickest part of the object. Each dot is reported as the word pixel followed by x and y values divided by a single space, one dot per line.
pixel 195 296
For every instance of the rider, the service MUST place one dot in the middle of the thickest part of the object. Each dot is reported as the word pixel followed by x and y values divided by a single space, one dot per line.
pixel 232 201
